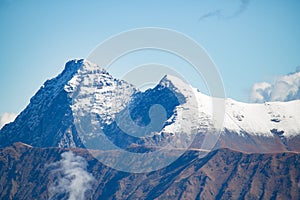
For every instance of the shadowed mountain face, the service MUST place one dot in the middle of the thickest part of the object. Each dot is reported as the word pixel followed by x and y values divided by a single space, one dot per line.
pixel 26 173
pixel 47 120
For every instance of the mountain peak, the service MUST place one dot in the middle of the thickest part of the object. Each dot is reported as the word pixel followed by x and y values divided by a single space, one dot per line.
pixel 79 66
pixel 73 64
pixel 48 120
pixel 177 85
pixel 172 81
pixel 76 64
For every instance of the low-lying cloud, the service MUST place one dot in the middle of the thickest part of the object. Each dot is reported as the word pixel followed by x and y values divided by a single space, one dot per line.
pixel 285 88
pixel 7 118
pixel 73 181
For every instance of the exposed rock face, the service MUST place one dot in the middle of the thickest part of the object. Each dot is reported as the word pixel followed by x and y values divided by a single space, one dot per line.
pixel 47 120
pixel 222 174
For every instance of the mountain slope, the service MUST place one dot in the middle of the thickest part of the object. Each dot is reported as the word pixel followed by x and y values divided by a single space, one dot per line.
pixel 26 173
pixel 48 120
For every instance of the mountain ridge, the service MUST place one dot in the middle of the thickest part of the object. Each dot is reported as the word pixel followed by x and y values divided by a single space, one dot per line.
pixel 53 116
pixel 221 174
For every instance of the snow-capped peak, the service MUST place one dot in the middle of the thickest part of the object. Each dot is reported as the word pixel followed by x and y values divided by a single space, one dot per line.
pixel 93 90
pixel 262 119
pixel 192 115
pixel 82 88
pixel 178 86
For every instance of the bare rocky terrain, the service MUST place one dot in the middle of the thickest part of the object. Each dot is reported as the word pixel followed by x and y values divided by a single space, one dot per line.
pixel 221 174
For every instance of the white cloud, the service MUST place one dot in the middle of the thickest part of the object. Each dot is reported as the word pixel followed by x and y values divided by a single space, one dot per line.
pixel 260 91
pixel 74 181
pixel 285 88
pixel 6 118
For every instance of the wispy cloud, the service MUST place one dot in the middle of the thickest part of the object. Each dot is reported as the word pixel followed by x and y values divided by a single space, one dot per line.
pixel 220 14
pixel 6 118
pixel 285 88
pixel 243 6
pixel 216 13
pixel 73 181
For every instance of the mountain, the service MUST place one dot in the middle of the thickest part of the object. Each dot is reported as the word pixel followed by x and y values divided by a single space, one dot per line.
pixel 85 104
pixel 29 173
pixel 50 150
pixel 48 119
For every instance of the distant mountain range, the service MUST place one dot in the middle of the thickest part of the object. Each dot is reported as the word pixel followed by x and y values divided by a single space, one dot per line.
pixel 256 155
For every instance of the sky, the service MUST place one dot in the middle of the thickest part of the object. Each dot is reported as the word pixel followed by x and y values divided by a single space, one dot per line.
pixel 250 41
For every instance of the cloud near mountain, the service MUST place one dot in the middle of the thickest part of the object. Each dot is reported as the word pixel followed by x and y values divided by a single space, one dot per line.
pixel 75 180
pixel 285 88
pixel 6 118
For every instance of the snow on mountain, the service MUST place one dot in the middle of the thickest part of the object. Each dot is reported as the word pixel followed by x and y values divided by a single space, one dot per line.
pixel 93 90
pixel 252 118
pixel 62 105
pixel 192 116
pixel 96 99
pixel 265 127
pixel 264 119
pixel 49 119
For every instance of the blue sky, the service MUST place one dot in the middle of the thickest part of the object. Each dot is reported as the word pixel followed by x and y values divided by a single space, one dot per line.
pixel 249 41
